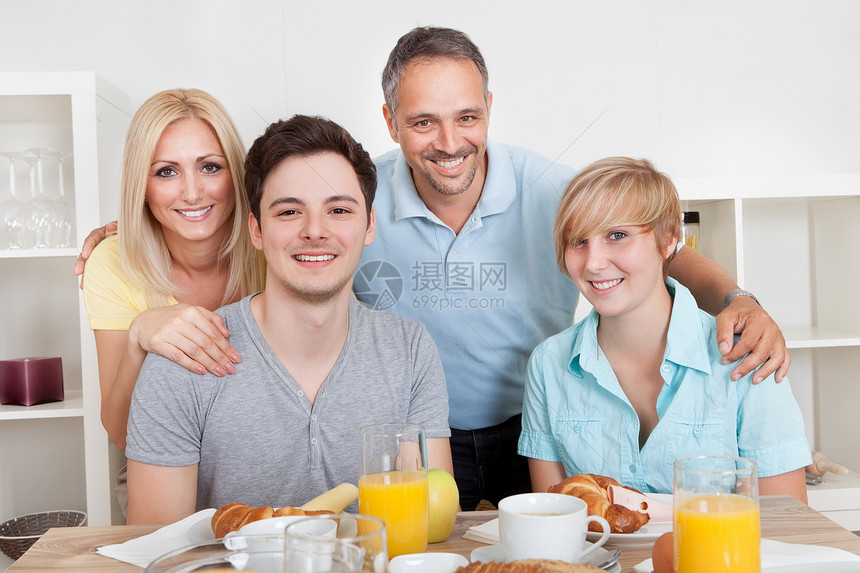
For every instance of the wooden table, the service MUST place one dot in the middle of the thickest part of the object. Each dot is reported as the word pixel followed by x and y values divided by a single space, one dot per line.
pixel 74 549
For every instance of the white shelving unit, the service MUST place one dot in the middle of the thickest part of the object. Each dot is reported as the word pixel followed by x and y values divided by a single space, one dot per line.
pixel 793 241
pixel 56 455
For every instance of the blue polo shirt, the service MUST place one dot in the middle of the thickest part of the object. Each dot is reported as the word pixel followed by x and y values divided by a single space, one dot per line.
pixel 576 413
pixel 489 294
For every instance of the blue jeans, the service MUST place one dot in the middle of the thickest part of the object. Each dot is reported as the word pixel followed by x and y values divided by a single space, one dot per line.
pixel 486 463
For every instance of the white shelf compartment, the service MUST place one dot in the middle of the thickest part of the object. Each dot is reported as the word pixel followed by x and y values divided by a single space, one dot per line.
pixel 81 113
pixel 71 407
pixel 37 253
pixel 838 497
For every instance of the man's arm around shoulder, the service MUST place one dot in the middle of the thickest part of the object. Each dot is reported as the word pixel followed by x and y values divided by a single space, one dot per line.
pixel 158 495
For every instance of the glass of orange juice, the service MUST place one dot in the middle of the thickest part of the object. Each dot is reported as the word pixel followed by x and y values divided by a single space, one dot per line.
pixel 716 517
pixel 392 483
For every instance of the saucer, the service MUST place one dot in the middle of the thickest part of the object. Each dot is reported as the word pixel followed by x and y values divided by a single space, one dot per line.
pixel 427 563
pixel 497 553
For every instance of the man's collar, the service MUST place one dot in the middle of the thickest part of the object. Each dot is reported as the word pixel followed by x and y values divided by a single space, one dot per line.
pixel 497 195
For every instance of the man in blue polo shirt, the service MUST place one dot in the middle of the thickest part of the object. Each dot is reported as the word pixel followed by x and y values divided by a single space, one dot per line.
pixel 464 244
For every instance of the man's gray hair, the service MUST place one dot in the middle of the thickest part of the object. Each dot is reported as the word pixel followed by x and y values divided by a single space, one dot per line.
pixel 428 42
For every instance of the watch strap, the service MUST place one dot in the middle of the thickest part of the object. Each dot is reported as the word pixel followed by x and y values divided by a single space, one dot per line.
pixel 737 292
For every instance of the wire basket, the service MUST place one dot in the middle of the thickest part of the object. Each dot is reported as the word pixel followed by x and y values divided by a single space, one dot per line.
pixel 19 533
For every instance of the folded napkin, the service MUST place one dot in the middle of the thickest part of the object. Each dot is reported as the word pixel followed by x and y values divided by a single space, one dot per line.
pixel 144 550
pixel 485 533
pixel 776 554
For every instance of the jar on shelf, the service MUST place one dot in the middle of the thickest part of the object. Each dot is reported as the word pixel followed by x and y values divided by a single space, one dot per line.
pixel 690 229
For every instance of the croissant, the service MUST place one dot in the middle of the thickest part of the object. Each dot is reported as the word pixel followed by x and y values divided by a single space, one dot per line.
pixel 592 489
pixel 528 566
pixel 234 515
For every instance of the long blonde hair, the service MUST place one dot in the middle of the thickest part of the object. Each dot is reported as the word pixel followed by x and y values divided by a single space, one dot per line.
pixel 143 251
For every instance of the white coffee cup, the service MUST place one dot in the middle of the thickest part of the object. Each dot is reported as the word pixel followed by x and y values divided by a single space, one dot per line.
pixel 547 526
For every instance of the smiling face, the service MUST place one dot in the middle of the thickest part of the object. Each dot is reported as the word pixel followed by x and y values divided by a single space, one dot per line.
pixel 313 226
pixel 618 270
pixel 189 187
pixel 441 124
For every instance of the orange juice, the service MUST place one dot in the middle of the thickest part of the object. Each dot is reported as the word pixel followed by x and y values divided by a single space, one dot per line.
pixel 398 498
pixel 716 534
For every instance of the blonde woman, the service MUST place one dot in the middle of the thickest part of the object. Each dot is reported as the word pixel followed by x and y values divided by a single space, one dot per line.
pixel 640 381
pixel 182 249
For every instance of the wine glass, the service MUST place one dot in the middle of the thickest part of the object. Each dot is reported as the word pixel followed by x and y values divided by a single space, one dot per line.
pixel 37 217
pixel 12 210
pixel 61 222
pixel 41 209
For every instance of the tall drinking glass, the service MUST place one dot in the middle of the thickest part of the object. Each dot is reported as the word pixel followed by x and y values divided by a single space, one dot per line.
pixel 716 521
pixel 392 483
pixel 328 543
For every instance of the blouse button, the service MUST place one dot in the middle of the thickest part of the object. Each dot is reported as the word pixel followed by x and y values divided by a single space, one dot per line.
pixel 633 468
pixel 697 431
pixel 577 427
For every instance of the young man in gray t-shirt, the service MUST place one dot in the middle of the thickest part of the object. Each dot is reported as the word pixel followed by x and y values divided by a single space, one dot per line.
pixel 316 365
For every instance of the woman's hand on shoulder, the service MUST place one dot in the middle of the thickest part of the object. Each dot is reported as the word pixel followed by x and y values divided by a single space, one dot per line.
pixel 95 237
pixel 192 336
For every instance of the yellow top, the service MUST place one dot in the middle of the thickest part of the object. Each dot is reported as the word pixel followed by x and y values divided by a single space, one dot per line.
pixel 112 300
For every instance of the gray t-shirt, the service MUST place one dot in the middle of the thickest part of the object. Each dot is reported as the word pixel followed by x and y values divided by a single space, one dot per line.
pixel 256 436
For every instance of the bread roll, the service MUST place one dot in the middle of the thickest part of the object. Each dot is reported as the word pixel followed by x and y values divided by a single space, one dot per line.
pixel 233 516
pixel 592 489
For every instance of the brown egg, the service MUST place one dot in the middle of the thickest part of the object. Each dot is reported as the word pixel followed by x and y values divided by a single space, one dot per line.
pixel 662 554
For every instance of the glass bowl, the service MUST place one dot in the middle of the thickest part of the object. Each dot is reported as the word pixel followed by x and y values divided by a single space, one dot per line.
pixel 248 553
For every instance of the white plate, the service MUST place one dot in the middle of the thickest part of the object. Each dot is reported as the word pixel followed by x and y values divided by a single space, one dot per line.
pixel 646 535
pixel 497 553
pixel 201 531
pixel 838 567
pixel 427 563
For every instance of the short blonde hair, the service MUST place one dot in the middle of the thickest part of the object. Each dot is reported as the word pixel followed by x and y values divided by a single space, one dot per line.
pixel 615 192
pixel 144 254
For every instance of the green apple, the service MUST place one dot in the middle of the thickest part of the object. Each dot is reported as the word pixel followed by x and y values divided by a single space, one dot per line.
pixel 443 503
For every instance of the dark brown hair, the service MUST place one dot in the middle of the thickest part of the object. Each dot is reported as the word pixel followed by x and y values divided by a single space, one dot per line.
pixel 303 136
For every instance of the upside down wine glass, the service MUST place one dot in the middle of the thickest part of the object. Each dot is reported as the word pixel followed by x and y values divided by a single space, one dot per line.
pixel 12 210
pixel 40 209
pixel 61 222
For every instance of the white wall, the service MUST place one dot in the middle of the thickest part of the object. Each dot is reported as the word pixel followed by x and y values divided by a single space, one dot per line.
pixel 703 88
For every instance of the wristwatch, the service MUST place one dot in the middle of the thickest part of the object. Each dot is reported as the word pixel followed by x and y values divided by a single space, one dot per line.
pixel 738 292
